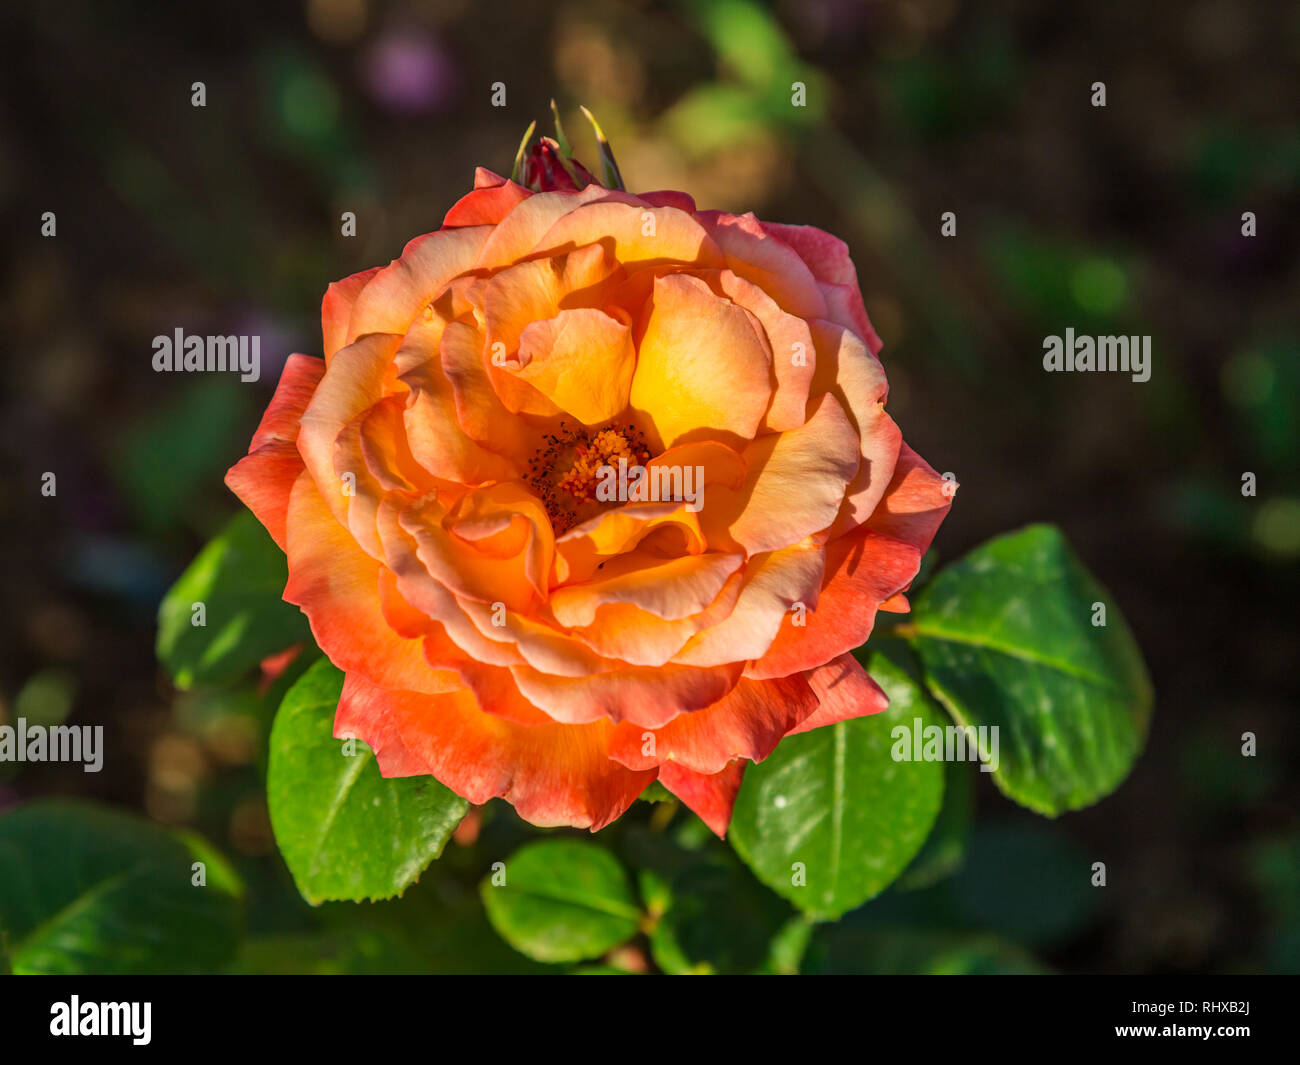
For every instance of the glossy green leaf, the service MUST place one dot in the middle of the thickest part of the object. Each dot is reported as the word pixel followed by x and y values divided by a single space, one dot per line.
pixel 561 900
pixel 1007 639
pixel 831 807
pixel 946 846
pixel 345 831
pixel 85 889
pixel 238 577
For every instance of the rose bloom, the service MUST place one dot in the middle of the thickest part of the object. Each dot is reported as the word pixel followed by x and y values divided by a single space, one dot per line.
pixel 505 627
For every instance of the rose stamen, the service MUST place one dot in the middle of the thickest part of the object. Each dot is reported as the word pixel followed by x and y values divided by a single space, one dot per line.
pixel 565 471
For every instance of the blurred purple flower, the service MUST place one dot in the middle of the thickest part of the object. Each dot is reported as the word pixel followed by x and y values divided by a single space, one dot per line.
pixel 408 71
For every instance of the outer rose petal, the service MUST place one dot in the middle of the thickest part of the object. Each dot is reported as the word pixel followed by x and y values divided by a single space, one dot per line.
pixel 355 382
pixel 712 796
pixel 641 235
pixel 747 723
pixel 552 774
pixel 337 586
pixel 493 198
pixel 915 503
pixel 867 566
pixel 669 198
pixel 645 697
pixel 336 309
pixel 756 254
pixel 828 258
pixel 264 478
pixel 514 239
pixel 848 371
pixel 844 691
pixel 396 293
pixel 863 571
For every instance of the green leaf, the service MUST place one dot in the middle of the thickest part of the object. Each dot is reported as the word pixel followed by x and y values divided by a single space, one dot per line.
pixel 238 577
pixel 1007 640
pixel 719 920
pixel 88 890
pixel 946 846
pixel 834 806
pixel 562 900
pixel 346 832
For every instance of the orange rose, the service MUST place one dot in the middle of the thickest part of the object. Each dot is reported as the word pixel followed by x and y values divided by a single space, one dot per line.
pixel 441 484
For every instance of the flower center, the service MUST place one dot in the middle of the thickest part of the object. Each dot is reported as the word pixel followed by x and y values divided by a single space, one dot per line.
pixel 565 471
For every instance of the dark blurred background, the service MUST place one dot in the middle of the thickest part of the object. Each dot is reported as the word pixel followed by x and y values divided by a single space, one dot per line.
pixel 1124 219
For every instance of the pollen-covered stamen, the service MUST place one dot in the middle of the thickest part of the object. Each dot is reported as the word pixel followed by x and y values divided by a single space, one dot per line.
pixel 565 471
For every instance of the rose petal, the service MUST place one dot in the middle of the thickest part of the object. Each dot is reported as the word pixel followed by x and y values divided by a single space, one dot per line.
pixel 693 342
pixel 554 775
pixel 915 503
pixel 399 291
pixel 264 478
pixel 849 372
pixel 844 691
pixel 639 235
pixel 794 485
pixel 753 252
pixel 673 588
pixel 828 258
pixel 582 361
pixel 748 722
pixel 773 583
pixel 647 697
pixel 492 199
pixel 336 309
pixel 337 586
pixel 711 796
pixel 864 570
